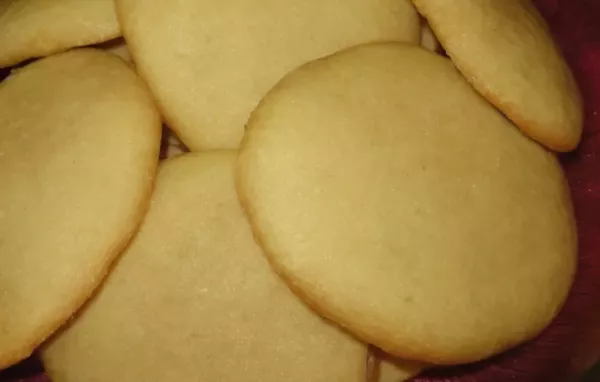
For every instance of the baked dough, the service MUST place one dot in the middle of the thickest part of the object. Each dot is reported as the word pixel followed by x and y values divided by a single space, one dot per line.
pixel 38 28
pixel 194 299
pixel 210 71
pixel 403 206
pixel 505 49
pixel 79 141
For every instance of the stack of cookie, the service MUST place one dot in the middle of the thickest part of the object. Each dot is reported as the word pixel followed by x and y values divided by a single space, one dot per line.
pixel 356 206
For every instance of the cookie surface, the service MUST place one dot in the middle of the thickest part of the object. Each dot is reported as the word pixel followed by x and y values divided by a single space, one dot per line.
pixel 505 49
pixel 37 28
pixel 76 169
pixel 210 72
pixel 403 206
pixel 210 309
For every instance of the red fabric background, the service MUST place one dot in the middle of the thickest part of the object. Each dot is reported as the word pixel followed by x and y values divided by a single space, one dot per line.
pixel 572 343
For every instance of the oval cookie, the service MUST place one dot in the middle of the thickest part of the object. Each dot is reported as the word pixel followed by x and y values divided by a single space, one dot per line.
pixel 209 73
pixel 193 298
pixel 37 28
pixel 79 141
pixel 505 50
pixel 403 206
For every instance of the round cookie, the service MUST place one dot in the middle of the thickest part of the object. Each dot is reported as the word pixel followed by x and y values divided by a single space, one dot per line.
pixel 38 28
pixel 505 50
pixel 403 206
pixel 193 298
pixel 79 141
pixel 210 72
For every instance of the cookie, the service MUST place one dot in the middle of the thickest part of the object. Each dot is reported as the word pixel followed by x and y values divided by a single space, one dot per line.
pixel 193 298
pixel 79 141
pixel 38 28
pixel 209 73
pixel 504 48
pixel 403 206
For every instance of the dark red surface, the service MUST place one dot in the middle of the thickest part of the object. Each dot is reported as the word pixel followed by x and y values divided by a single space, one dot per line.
pixel 28 371
pixel 572 342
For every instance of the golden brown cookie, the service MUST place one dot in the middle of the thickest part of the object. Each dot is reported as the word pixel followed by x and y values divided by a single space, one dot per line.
pixel 193 298
pixel 79 140
pixel 209 72
pixel 504 48
pixel 403 206
pixel 37 28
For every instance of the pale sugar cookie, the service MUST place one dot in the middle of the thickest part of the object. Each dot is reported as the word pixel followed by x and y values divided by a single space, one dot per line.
pixel 504 48
pixel 79 141
pixel 194 299
pixel 37 28
pixel 210 62
pixel 402 205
